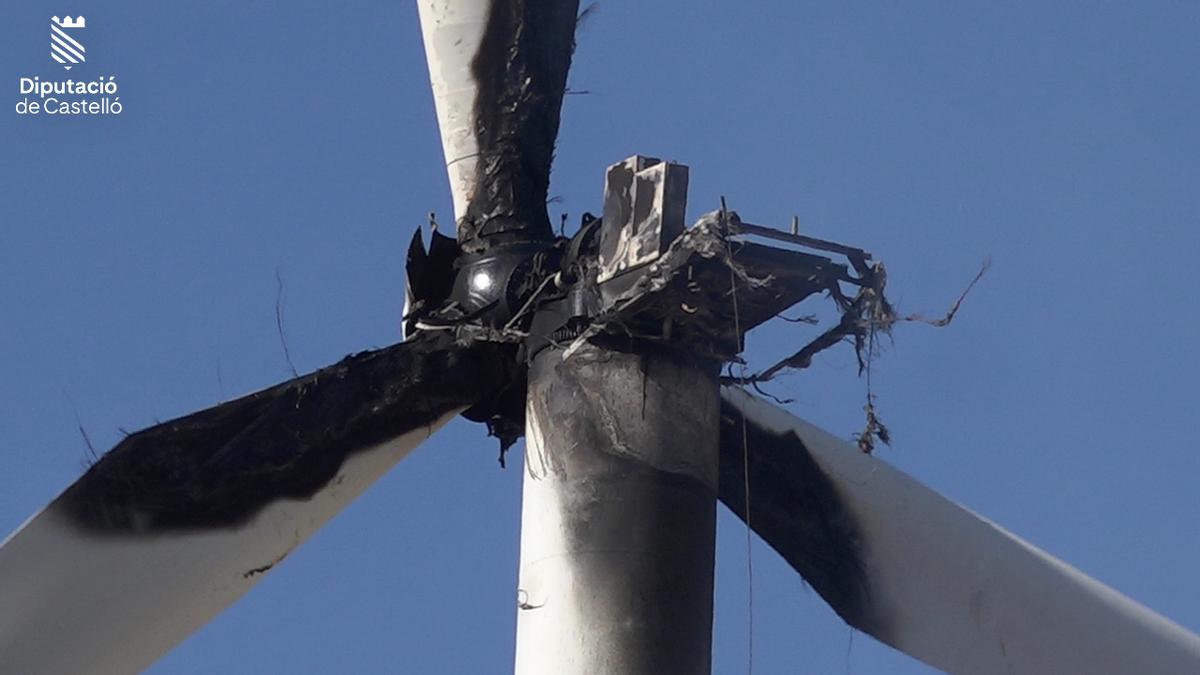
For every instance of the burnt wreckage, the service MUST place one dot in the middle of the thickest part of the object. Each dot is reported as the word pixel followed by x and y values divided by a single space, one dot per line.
pixel 482 305
pixel 611 342
pixel 637 280
pixel 634 279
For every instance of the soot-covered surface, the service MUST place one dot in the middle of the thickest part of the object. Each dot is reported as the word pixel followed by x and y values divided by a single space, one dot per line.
pixel 521 71
pixel 219 467
pixel 796 509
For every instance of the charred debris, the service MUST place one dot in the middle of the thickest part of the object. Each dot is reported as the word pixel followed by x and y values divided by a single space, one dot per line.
pixel 482 304
pixel 636 278
pixel 633 278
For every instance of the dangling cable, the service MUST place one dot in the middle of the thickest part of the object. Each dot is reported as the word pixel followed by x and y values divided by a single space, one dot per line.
pixel 745 455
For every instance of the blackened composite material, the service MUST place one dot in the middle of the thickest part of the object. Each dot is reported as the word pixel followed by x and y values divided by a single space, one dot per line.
pixel 521 74
pixel 796 509
pixel 219 467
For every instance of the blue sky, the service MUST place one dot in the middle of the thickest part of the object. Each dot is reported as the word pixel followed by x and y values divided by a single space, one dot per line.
pixel 138 259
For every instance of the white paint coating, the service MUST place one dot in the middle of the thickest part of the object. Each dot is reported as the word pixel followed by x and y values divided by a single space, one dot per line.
pixel 77 603
pixel 961 594
pixel 542 573
pixel 452 31
pixel 545 639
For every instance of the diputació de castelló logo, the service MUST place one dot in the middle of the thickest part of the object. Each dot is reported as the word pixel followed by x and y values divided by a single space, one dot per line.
pixel 66 48
pixel 96 96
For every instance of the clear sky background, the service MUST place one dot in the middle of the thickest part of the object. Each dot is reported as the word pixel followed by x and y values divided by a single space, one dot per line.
pixel 138 259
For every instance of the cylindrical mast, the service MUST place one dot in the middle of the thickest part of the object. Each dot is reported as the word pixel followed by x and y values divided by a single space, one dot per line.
pixel 619 515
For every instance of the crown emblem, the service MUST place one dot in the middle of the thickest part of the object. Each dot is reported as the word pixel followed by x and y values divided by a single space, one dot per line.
pixel 68 22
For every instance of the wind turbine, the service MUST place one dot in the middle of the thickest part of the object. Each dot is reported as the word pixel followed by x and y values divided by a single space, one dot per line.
pixel 244 553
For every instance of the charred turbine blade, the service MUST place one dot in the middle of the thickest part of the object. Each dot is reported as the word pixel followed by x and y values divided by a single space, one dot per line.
pixel 920 573
pixel 796 508
pixel 521 75
pixel 181 519
pixel 219 467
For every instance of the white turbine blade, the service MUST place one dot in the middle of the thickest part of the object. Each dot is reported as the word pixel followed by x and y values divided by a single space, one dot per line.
pixel 453 30
pixel 180 520
pixel 75 603
pixel 923 574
